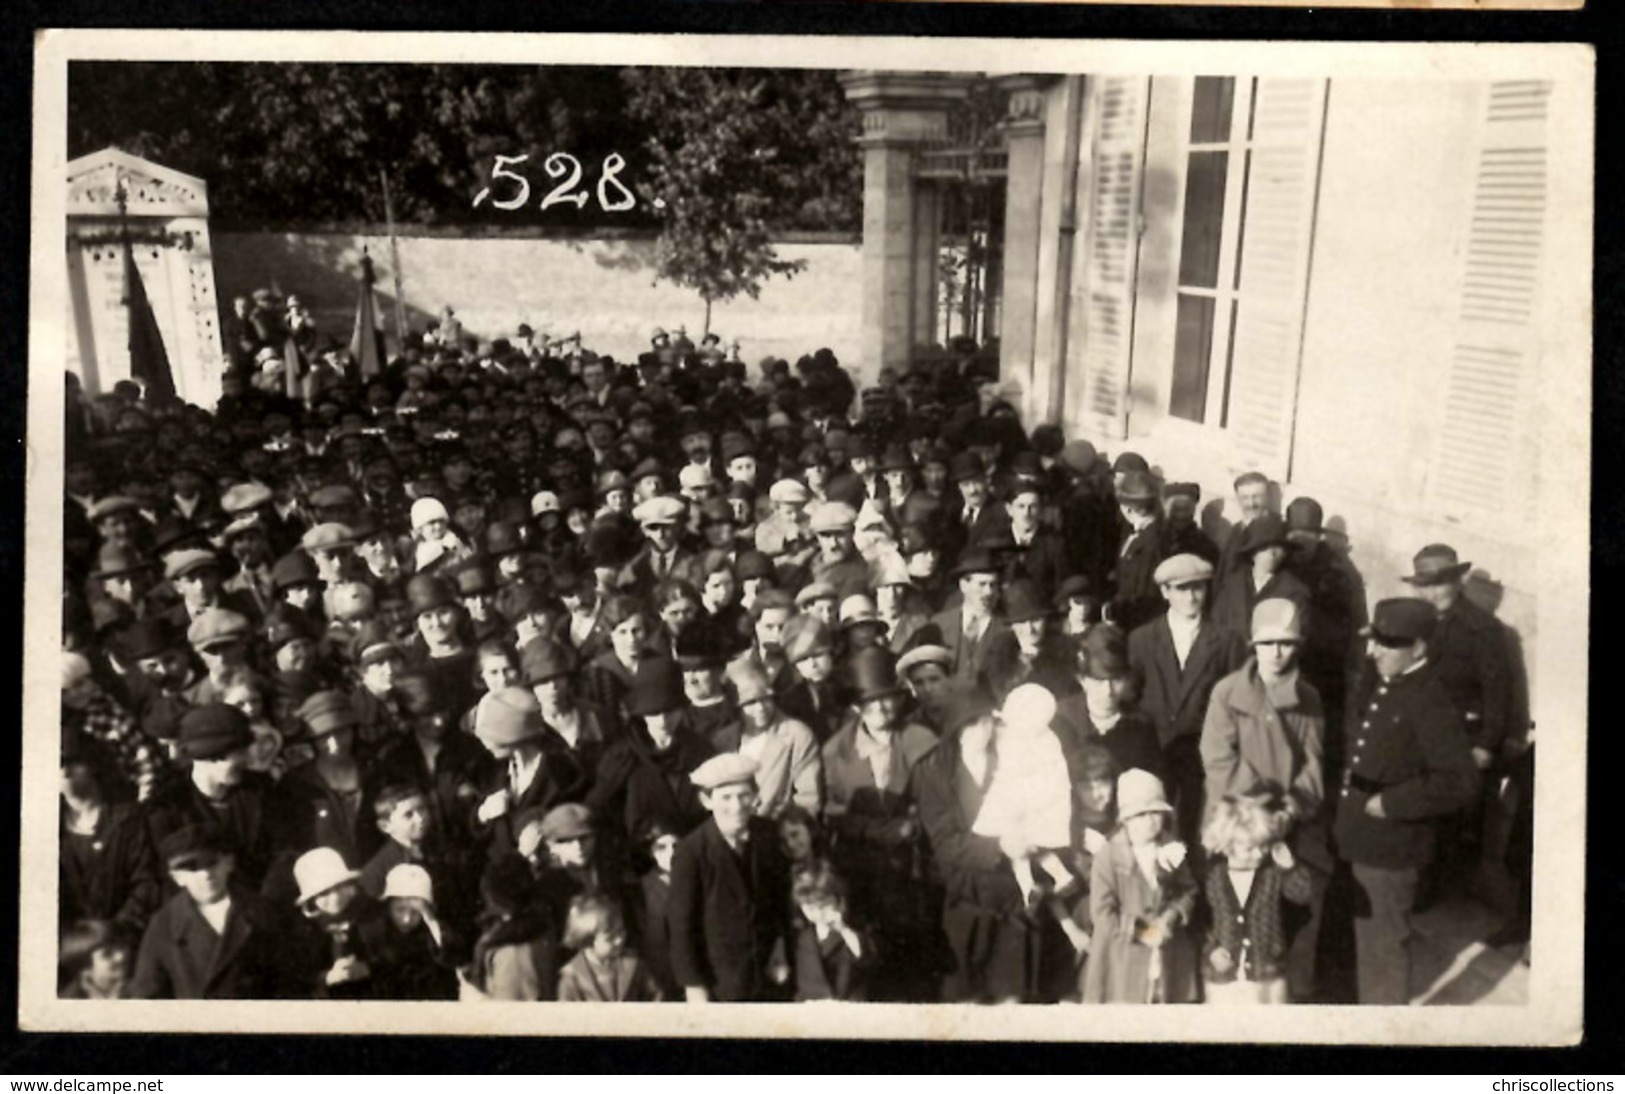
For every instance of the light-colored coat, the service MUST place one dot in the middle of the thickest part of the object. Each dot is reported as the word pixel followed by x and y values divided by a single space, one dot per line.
pixel 1251 744
pixel 1120 968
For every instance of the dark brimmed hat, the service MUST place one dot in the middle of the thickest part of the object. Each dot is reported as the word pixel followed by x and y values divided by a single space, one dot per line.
pixel 1436 564
pixel 214 730
pixel 965 466
pixel 426 592
pixel 1268 530
pixel 544 659
pixel 1402 620
pixel 873 674
pixel 1137 486
pixel 1305 515
pixel 148 638
pixel 657 688
pixel 1023 601
pixel 194 847
pixel 974 560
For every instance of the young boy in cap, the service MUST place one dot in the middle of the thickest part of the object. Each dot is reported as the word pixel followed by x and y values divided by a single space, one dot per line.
pixel 1409 763
pixel 730 893
pixel 214 939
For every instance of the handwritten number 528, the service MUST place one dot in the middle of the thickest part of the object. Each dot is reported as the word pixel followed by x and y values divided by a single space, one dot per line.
pixel 561 165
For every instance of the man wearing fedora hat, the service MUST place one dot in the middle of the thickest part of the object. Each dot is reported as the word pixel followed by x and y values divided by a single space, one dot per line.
pixel 1408 764
pixel 214 938
pixel 1028 650
pixel 870 810
pixel 1469 651
pixel 729 907
pixel 1035 552
pixel 968 628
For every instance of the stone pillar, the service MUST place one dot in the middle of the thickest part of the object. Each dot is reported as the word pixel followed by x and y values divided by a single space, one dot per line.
pixel 901 112
pixel 927 243
pixel 1023 211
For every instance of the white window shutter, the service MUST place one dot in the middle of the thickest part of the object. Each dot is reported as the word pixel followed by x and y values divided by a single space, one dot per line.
pixel 1111 246
pixel 1276 246
pixel 1477 444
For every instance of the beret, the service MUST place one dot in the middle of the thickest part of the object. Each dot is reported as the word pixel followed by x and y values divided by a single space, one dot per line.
pixel 186 561
pixel 214 730
pixel 327 712
pixel 507 717
pixel 215 625
pixel 1182 568
pixel 833 516
pixel 790 491
pixel 663 509
pixel 723 769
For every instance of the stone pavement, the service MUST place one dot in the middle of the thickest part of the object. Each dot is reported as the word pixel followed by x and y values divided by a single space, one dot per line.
pixel 1451 966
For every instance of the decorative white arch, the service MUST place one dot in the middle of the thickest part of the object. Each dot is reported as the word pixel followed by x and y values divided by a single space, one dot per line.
pixel 168 218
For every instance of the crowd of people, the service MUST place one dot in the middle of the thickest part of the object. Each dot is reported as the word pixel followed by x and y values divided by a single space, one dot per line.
pixel 507 675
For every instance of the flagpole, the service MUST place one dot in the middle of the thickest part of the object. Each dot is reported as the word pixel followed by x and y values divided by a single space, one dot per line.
pixel 394 265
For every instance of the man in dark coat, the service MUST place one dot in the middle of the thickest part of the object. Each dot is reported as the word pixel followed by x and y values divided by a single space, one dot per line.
pixel 214 939
pixel 218 792
pixel 730 893
pixel 1337 605
pixel 1177 660
pixel 1409 762
pixel 1035 552
pixel 969 627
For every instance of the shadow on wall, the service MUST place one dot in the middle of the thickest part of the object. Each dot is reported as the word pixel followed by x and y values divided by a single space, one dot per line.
pixel 619 255
pixel 324 271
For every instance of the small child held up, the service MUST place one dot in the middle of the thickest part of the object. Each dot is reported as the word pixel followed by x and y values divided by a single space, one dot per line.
pixel 832 958
pixel 1249 874
pixel 603 969
pixel 1028 806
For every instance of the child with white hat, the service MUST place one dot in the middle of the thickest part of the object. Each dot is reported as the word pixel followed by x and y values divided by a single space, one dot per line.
pixel 1028 803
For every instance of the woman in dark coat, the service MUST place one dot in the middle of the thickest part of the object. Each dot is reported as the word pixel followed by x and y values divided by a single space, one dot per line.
pixel 644 775
pixel 1098 714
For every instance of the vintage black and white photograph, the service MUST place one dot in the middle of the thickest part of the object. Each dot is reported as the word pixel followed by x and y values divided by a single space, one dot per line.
pixel 1091 526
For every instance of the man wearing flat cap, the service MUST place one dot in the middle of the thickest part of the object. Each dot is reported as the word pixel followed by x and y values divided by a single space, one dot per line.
pixel 663 556
pixel 214 938
pixel 1177 659
pixel 730 893
pixel 219 792
pixel 838 563
pixel 1409 762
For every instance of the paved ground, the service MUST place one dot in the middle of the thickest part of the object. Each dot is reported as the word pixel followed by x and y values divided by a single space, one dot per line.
pixel 1452 966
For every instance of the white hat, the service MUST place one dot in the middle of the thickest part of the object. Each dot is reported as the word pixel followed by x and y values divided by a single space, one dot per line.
pixel 1029 705
pixel 1277 620
pixel 75 668
pixel 722 769
pixel 833 516
pixel 409 881
pixel 1140 792
pixel 696 476
pixel 544 501
pixel 320 870
pixel 425 510
pixel 661 509
pixel 890 569
pixel 789 490
pixel 926 654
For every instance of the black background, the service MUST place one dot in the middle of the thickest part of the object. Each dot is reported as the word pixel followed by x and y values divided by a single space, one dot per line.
pixel 1603 1050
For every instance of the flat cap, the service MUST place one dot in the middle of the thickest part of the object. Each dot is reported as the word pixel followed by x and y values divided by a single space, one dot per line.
pixel 695 476
pixel 245 497
pixel 816 590
pixel 662 509
pixel 189 561
pixel 833 516
pixel 724 769
pixel 1180 569
pixel 294 568
pixel 193 847
pixel 214 730
pixel 570 821
pixel 217 626
pixel 328 536
pixel 789 491
pixel 805 636
pixel 327 712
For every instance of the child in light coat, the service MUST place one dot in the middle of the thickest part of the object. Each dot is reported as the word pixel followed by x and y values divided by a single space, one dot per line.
pixel 1251 872
pixel 603 969
pixel 1141 897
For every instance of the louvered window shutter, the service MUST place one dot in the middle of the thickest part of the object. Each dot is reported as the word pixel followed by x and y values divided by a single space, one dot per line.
pixel 1117 164
pixel 1477 443
pixel 1273 275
